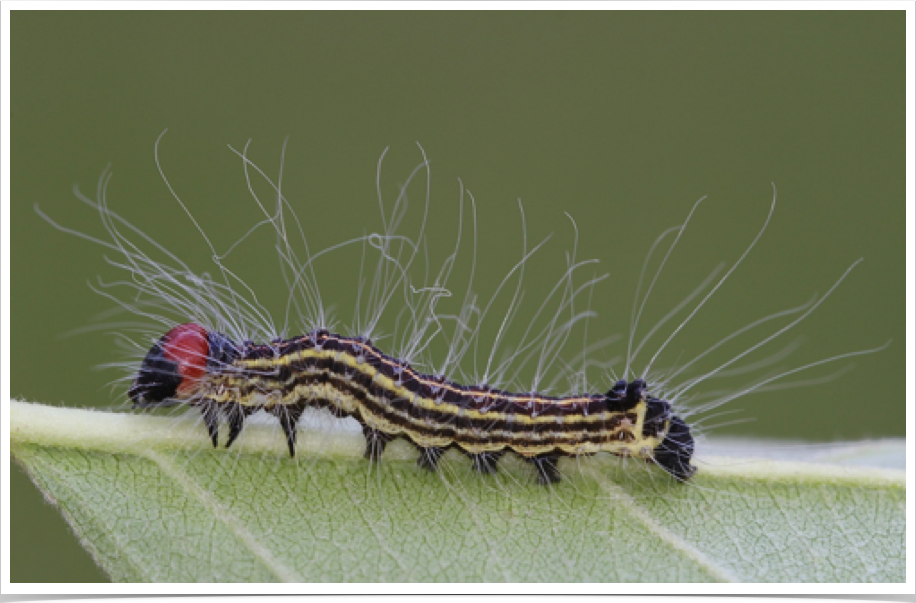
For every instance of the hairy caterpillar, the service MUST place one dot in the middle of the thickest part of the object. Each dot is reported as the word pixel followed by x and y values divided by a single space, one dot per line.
pixel 353 378
pixel 231 361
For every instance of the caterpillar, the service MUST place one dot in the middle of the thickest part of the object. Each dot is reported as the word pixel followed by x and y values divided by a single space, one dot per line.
pixel 223 354
pixel 353 378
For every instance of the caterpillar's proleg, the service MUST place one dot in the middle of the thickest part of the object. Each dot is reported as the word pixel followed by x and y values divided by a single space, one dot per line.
pixel 376 441
pixel 485 462
pixel 546 467
pixel 429 457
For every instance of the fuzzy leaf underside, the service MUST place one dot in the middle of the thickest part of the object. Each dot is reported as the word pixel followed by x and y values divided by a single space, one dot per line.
pixel 152 501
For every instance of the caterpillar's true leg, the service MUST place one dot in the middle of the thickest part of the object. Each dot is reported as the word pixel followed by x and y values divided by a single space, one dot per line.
pixel 289 418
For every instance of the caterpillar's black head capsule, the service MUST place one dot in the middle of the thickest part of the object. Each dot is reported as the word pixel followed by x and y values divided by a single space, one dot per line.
pixel 172 368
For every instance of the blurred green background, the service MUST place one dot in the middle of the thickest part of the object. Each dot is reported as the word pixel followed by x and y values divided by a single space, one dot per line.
pixel 622 120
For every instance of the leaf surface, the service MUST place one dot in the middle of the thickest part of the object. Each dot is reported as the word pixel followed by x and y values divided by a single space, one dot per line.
pixel 152 502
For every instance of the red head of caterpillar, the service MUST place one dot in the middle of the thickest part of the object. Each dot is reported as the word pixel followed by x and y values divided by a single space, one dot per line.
pixel 173 367
pixel 389 398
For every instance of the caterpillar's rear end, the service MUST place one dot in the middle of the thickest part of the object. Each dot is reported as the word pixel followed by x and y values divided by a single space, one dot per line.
pixel 675 450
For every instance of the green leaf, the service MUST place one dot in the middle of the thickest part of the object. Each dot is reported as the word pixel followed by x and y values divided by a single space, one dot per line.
pixel 152 501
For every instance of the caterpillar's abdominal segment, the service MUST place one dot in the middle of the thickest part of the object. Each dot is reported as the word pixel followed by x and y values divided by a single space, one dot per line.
pixel 353 378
